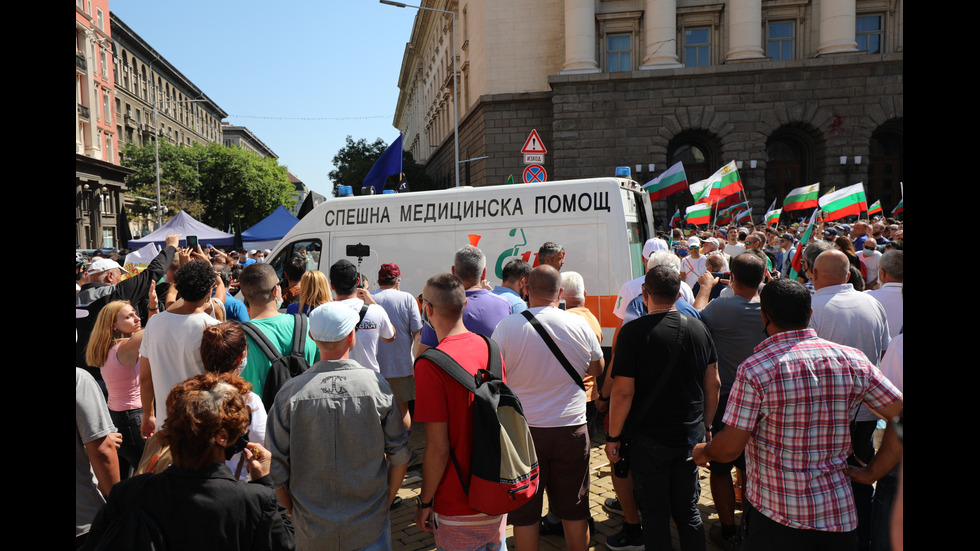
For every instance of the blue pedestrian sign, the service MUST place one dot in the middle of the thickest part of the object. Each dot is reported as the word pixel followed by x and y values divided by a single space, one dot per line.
pixel 535 173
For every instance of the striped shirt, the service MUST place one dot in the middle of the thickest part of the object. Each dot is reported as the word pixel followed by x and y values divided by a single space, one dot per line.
pixel 796 395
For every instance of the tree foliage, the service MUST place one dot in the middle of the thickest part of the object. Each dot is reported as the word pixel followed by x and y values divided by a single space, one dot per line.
pixel 213 183
pixel 355 159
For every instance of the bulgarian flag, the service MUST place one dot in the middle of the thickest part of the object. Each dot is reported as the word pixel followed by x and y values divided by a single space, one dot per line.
pixel 668 183
pixel 676 219
pixel 802 197
pixel 772 217
pixel 875 208
pixel 725 182
pixel 701 191
pixel 844 202
pixel 698 213
pixel 724 217
pixel 743 215
pixel 804 239
pixel 898 208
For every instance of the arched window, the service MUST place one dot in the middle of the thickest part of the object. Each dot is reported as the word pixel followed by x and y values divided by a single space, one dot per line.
pixel 699 151
pixel 885 166
pixel 789 162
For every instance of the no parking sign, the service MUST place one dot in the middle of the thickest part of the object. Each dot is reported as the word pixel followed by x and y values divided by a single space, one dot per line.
pixel 534 174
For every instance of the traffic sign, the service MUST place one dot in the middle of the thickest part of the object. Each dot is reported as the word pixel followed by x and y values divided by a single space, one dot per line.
pixel 533 144
pixel 535 173
pixel 533 158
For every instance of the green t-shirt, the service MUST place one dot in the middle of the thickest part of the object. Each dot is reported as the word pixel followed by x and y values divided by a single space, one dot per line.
pixel 279 330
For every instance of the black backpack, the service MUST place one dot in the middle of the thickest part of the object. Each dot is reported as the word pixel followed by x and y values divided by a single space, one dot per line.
pixel 504 466
pixel 281 368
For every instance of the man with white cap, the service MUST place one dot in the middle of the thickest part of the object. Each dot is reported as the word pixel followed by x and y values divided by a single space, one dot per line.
pixel 339 448
pixel 694 264
pixel 631 289
pixel 105 285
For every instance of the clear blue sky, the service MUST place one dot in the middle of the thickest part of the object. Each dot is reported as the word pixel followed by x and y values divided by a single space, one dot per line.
pixel 300 74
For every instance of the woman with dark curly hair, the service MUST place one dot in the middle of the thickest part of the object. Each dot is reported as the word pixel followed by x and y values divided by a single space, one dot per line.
pixel 223 350
pixel 197 503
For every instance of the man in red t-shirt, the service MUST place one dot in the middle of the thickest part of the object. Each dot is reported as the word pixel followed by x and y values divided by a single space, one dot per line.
pixel 446 409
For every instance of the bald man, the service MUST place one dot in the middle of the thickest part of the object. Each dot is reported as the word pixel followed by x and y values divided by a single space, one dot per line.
pixel 846 316
pixel 554 405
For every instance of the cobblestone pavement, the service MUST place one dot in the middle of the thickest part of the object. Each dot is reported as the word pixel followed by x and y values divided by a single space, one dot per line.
pixel 406 536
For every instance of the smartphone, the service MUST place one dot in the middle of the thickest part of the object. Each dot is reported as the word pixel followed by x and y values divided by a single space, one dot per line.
pixel 358 250
pixel 192 241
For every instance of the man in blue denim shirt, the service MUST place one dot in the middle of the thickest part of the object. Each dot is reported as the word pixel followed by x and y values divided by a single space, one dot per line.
pixel 339 448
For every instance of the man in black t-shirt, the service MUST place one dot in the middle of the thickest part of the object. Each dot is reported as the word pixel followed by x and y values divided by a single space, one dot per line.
pixel 662 433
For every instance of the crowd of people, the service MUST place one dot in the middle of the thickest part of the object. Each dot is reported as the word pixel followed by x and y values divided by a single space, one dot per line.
pixel 272 411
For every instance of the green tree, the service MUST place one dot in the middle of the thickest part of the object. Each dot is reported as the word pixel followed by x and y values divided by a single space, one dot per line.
pixel 355 159
pixel 213 183
pixel 179 179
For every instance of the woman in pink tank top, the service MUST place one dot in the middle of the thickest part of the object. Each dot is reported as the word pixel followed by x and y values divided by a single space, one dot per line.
pixel 114 347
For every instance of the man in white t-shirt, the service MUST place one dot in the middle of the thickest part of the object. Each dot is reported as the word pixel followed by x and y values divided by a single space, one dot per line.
pixel 374 326
pixel 171 348
pixel 694 264
pixel 554 405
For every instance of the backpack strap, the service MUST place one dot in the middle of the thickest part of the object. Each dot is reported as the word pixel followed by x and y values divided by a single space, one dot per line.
pixel 300 328
pixel 362 313
pixel 270 350
pixel 463 377
pixel 554 348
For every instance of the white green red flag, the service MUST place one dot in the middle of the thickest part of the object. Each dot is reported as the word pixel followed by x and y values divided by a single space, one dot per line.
pixel 898 208
pixel 700 191
pixel 676 219
pixel 802 197
pixel 698 213
pixel 670 182
pixel 804 239
pixel 725 182
pixel 724 217
pixel 844 202
pixel 743 215
pixel 772 217
pixel 875 208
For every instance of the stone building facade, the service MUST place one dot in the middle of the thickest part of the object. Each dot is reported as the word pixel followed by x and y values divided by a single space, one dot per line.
pixel 145 79
pixel 795 91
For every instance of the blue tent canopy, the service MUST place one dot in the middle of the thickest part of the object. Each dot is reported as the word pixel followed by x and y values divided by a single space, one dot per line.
pixel 272 228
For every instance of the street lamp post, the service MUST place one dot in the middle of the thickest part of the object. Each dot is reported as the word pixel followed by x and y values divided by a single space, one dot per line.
pixel 156 141
pixel 455 75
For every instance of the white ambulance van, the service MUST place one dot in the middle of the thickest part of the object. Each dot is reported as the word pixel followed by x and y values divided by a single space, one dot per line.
pixel 601 222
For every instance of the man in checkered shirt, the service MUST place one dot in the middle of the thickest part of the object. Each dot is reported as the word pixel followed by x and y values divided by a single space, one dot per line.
pixel 789 409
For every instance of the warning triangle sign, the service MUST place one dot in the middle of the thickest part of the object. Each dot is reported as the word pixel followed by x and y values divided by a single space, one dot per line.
pixel 533 144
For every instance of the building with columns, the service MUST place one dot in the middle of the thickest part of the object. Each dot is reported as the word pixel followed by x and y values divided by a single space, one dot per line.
pixel 795 91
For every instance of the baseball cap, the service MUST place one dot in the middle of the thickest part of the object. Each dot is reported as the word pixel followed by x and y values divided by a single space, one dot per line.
pixel 332 322
pixel 389 271
pixel 103 265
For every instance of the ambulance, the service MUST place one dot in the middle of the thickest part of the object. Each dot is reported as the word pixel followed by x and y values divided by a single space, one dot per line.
pixel 601 222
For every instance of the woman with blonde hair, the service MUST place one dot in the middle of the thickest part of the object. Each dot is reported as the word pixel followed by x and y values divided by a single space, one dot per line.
pixel 115 348
pixel 314 290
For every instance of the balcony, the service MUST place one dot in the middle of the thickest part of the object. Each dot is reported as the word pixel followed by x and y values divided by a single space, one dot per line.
pixel 83 112
pixel 80 63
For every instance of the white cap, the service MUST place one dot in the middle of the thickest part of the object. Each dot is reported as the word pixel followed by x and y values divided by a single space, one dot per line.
pixel 103 265
pixel 652 245
pixel 332 322
pixel 693 242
